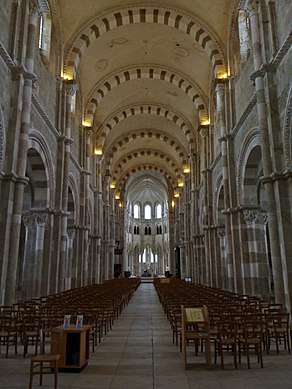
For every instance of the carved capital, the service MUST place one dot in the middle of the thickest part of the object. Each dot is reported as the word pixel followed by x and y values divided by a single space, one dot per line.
pixel 70 90
pixel 71 233
pixel 265 68
pixel 28 220
pixel 204 131
pixel 252 217
pixel 88 132
pixel 251 7
pixel 34 8
pixel 41 219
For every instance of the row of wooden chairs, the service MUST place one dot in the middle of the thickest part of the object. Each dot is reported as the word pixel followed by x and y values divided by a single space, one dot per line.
pixel 24 322
pixel 236 323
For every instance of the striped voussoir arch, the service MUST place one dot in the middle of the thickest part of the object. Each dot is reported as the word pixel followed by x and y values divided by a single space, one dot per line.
pixel 39 178
pixel 172 180
pixel 146 109
pixel 146 134
pixel 143 14
pixel 147 72
pixel 42 165
pixel 155 154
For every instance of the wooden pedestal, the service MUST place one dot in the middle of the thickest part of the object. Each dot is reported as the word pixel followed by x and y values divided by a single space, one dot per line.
pixel 73 346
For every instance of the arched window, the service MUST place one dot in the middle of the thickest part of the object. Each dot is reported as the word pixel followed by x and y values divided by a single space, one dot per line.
pixel 73 103
pixel 244 35
pixel 159 230
pixel 136 211
pixel 45 30
pixel 147 230
pixel 147 210
pixel 136 230
pixel 158 211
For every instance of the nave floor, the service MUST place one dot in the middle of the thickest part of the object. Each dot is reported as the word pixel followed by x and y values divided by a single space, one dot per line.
pixel 138 353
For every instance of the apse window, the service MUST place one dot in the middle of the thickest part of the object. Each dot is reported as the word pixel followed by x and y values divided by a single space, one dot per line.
pixel 147 212
pixel 136 211
pixel 158 211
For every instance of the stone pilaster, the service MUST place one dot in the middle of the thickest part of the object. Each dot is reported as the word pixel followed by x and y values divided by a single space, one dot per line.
pixel 106 225
pixel 232 262
pixel 256 270
pixel 14 180
pixel 69 267
pixel 41 221
pixel 222 263
pixel 267 153
pixel 204 130
pixel 29 222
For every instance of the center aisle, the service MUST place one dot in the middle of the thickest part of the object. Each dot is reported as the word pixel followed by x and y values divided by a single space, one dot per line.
pixel 137 353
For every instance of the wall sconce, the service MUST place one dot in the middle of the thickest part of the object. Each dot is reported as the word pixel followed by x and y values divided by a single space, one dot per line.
pixel 176 194
pixel 180 183
pixel 205 122
pixel 86 123
pixel 186 168
pixel 117 196
pixel 120 205
pixel 113 185
pixel 172 204
pixel 98 150
pixel 222 75
pixel 65 76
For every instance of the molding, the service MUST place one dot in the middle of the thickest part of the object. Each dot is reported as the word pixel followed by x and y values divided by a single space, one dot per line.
pixel 37 105
pixel 76 163
pixel 282 51
pixel 6 57
pixel 245 114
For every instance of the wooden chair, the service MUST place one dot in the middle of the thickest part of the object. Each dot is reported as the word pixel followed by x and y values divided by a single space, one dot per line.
pixel 196 327
pixel 252 338
pixel 45 364
pixel 8 332
pixel 279 331
pixel 227 341
pixel 31 333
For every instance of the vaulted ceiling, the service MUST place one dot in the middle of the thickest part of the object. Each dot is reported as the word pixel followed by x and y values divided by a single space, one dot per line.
pixel 144 72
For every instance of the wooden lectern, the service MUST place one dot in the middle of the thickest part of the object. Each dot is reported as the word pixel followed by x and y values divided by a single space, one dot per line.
pixel 196 327
pixel 74 347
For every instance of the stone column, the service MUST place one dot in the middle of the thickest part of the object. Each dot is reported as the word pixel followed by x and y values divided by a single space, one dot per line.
pixel 171 231
pixel 48 250
pixel 98 215
pixel 29 256
pixel 41 221
pixel 69 259
pixel 205 264
pixel 84 207
pixel 222 265
pixel 70 91
pixel 256 271
pixel 106 225
pixel 267 153
pixel 233 266
pixel 14 180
